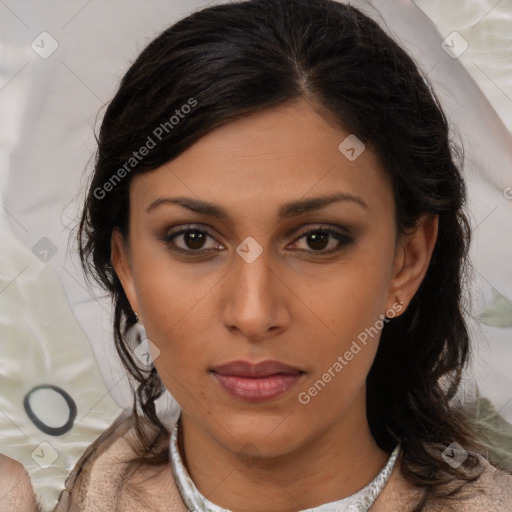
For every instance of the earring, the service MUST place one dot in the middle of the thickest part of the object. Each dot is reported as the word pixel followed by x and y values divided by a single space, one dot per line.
pixel 136 317
pixel 399 301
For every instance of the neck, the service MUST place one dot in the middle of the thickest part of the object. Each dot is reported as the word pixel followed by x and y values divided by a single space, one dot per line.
pixel 337 463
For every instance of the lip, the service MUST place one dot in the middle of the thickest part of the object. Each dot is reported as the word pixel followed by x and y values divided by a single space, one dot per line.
pixel 256 382
pixel 261 369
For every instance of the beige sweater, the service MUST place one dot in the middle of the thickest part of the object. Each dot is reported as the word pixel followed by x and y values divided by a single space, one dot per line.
pixel 100 487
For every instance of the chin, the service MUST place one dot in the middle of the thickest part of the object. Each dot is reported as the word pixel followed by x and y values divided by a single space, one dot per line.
pixel 257 435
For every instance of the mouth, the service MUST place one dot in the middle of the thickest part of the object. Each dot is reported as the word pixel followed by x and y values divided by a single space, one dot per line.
pixel 261 369
pixel 256 382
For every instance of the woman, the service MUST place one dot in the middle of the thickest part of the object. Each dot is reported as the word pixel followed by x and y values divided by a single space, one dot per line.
pixel 276 200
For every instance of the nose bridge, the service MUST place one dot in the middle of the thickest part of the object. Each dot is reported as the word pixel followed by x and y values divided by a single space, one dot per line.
pixel 254 276
pixel 253 301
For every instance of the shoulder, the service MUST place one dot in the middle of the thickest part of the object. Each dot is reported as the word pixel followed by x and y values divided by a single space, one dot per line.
pixel 16 491
pixel 98 481
pixel 490 492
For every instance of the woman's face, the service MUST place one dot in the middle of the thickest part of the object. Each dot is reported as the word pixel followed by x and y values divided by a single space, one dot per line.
pixel 252 285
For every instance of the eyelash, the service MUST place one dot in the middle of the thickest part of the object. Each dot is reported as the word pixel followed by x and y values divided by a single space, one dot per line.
pixel 342 238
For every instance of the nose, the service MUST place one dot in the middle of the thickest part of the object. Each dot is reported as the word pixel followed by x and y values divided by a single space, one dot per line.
pixel 255 299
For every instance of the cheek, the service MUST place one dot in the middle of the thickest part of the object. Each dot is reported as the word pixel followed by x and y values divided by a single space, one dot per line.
pixel 169 292
pixel 171 304
pixel 352 296
pixel 350 305
pixel 171 323
pixel 342 356
pixel 351 313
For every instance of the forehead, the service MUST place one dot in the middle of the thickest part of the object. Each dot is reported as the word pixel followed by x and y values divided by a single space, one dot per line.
pixel 273 156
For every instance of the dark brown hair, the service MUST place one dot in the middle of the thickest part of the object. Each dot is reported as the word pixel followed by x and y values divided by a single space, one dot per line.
pixel 234 59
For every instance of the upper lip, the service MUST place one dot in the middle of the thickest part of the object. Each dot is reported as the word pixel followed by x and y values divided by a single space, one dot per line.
pixel 261 369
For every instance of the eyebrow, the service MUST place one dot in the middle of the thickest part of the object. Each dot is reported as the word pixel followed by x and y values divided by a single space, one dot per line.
pixel 287 210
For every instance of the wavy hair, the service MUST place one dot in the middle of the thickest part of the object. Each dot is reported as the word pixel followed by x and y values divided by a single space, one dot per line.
pixel 238 58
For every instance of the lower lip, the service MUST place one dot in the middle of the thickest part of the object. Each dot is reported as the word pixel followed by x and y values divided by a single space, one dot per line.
pixel 255 389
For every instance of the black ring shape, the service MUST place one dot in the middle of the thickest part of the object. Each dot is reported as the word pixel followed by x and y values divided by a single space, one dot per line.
pixel 52 431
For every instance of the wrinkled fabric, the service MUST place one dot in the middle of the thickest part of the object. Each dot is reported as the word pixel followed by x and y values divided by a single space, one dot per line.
pixel 42 344
pixel 101 486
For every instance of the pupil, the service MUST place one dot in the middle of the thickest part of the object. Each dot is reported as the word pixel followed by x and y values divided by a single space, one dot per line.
pixel 319 240
pixel 196 239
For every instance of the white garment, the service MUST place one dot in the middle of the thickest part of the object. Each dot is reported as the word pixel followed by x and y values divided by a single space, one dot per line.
pixel 361 501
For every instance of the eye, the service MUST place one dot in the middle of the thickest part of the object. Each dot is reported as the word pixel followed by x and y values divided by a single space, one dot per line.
pixel 192 239
pixel 324 240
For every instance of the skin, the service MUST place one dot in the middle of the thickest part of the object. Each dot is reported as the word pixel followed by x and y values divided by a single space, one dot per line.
pixel 291 304
pixel 15 487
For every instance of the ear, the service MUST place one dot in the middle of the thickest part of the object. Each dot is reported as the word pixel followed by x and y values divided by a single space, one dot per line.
pixel 121 262
pixel 412 258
